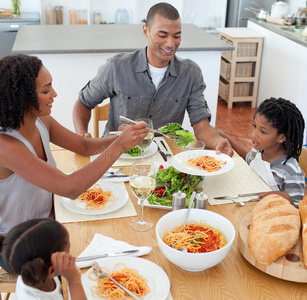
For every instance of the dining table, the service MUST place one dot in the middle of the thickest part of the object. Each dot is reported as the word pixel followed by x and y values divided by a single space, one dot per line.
pixel 233 278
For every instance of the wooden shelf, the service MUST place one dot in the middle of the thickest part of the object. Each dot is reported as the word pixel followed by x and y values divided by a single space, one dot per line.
pixel 240 68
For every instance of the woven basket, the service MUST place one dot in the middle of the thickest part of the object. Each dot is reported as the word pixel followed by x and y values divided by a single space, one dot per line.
pixel 247 49
pixel 245 69
pixel 241 89
pixel 225 69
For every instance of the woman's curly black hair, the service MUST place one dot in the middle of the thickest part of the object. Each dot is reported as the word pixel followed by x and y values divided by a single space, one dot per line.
pixel 288 120
pixel 18 90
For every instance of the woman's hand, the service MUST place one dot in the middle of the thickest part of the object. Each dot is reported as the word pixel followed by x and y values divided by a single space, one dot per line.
pixel 131 135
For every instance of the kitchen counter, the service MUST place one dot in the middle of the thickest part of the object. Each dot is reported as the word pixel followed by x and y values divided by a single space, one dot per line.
pixel 55 39
pixel 73 54
pixel 283 30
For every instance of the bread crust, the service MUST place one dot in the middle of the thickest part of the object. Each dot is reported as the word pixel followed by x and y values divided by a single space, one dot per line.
pixel 303 213
pixel 274 229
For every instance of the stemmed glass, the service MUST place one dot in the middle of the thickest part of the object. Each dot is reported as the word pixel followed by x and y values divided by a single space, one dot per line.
pixel 146 142
pixel 142 183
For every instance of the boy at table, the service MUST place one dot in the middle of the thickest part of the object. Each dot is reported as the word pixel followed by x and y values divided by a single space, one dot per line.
pixel 152 83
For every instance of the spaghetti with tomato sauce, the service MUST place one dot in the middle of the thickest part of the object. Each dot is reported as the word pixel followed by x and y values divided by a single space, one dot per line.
pixel 129 278
pixel 196 238
pixel 96 199
pixel 207 163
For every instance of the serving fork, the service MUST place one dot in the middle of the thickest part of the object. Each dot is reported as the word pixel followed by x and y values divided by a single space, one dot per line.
pixel 102 274
pixel 156 131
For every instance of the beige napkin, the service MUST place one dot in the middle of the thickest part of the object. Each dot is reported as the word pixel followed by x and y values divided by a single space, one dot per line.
pixel 240 179
pixel 64 215
pixel 101 244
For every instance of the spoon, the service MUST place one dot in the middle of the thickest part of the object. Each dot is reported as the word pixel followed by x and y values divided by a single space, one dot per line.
pixel 187 217
pixel 188 212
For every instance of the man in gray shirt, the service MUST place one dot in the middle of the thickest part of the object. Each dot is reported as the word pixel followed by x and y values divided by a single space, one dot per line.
pixel 152 83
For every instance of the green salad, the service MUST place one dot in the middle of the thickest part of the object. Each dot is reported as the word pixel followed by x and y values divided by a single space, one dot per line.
pixel 183 137
pixel 169 181
pixel 135 151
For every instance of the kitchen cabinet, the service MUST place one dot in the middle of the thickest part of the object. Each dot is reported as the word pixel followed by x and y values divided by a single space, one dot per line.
pixel 239 73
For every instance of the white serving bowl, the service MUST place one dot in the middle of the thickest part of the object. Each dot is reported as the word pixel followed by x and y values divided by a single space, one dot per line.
pixel 195 261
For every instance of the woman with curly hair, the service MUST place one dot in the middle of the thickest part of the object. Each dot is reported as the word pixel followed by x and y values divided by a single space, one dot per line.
pixel 28 175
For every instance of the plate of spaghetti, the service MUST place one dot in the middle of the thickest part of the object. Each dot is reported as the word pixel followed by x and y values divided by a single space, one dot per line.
pixel 202 162
pixel 101 198
pixel 144 278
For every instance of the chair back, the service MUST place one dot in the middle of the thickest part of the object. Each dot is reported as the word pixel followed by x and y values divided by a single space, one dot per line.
pixel 7 283
pixel 99 113
pixel 303 161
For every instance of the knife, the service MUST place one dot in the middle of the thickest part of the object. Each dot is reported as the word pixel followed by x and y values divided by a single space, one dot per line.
pixel 236 196
pixel 113 176
pixel 161 152
pixel 106 255
pixel 164 145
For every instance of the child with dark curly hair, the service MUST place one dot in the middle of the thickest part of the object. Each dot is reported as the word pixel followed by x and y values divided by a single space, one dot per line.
pixel 277 140
pixel 38 251
pixel 28 175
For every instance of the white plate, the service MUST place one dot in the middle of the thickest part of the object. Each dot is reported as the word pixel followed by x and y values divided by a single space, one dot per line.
pixel 157 280
pixel 120 194
pixel 178 162
pixel 152 149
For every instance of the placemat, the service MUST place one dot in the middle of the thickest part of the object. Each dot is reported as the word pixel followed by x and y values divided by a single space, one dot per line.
pixel 239 180
pixel 63 215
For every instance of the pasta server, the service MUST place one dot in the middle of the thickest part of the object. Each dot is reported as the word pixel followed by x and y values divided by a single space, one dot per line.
pixel 102 274
pixel 237 196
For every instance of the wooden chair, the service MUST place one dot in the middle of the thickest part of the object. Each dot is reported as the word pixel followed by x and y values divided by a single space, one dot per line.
pixel 303 161
pixel 7 283
pixel 99 113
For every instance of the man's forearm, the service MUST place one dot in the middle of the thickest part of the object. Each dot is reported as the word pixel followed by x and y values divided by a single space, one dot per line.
pixel 81 117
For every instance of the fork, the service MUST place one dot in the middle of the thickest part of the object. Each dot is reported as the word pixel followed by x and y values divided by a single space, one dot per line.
pixel 154 130
pixel 243 203
pixel 102 274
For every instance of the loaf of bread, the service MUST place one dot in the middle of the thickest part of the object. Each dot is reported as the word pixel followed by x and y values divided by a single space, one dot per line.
pixel 303 212
pixel 274 229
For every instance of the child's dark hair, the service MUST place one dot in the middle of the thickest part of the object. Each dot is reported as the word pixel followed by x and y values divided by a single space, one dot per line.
pixel 18 89
pixel 288 120
pixel 27 248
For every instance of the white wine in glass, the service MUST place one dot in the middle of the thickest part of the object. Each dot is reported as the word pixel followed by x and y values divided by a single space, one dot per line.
pixel 142 183
pixel 146 142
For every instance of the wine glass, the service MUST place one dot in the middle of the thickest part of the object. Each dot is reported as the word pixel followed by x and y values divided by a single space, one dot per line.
pixel 145 143
pixel 142 183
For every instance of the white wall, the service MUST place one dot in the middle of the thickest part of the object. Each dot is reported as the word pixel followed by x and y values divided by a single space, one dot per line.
pixel 283 69
pixel 295 4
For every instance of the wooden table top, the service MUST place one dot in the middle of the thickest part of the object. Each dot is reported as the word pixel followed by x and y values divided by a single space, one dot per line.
pixel 233 278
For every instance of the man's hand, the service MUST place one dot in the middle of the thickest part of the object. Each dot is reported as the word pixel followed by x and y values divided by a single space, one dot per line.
pixel 223 146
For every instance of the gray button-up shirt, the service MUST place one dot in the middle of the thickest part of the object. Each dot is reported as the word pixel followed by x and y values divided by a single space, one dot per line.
pixel 126 80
